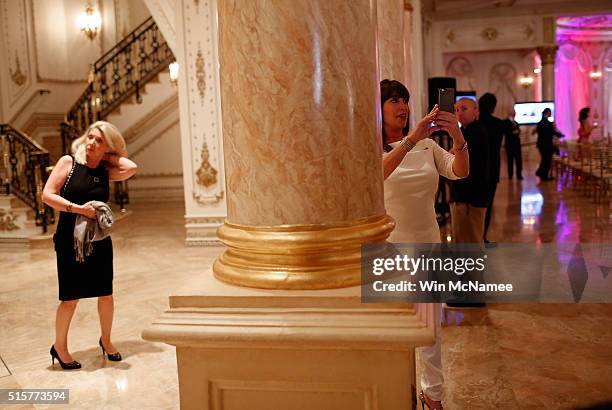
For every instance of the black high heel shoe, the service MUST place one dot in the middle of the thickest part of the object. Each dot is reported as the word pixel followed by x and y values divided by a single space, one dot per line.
pixel 73 365
pixel 113 357
pixel 432 405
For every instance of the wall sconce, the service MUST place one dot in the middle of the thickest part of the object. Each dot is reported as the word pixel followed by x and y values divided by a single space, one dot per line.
pixel 174 73
pixel 595 74
pixel 526 81
pixel 90 22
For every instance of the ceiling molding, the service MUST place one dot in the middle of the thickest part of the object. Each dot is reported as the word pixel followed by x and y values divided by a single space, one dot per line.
pixel 488 9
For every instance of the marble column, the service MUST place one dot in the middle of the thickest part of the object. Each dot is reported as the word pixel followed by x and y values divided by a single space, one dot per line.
pixel 547 55
pixel 415 61
pixel 391 53
pixel 301 128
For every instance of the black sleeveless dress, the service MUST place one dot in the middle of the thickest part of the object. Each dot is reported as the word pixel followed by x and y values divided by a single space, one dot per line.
pixel 94 276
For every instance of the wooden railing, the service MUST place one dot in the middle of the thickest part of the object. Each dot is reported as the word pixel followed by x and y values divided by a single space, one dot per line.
pixel 24 172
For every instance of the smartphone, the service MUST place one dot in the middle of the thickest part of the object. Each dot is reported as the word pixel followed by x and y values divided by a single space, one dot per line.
pixel 446 99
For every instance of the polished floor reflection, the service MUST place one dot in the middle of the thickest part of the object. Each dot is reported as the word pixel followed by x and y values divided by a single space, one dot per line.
pixel 500 357
pixel 533 356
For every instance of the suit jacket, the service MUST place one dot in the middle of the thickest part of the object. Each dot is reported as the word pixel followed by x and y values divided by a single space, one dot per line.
pixel 546 131
pixel 513 134
pixel 473 189
pixel 495 129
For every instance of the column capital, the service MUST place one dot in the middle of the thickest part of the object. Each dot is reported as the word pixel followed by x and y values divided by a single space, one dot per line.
pixel 547 54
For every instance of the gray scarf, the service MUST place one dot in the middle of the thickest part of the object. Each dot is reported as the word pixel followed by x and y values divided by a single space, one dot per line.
pixel 88 230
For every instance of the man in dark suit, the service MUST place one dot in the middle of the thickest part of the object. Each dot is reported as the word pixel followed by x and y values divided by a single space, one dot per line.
pixel 546 132
pixel 495 129
pixel 512 143
pixel 469 196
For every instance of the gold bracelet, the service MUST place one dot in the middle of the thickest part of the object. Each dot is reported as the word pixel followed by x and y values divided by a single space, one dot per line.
pixel 69 207
pixel 407 144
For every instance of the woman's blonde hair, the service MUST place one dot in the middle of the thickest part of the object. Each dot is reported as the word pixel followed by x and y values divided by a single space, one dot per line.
pixel 111 135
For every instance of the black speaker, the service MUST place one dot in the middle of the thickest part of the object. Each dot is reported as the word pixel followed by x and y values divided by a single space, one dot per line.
pixel 438 82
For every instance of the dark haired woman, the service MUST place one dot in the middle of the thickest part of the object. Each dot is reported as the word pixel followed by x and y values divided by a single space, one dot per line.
pixel 584 132
pixel 412 164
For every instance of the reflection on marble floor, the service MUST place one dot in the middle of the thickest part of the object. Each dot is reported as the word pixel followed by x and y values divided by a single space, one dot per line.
pixel 151 262
pixel 529 356
pixel 500 357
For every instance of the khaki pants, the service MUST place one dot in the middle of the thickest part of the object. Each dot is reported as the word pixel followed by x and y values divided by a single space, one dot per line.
pixel 467 222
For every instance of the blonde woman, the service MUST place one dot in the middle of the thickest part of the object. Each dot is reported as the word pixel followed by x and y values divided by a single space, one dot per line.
pixel 100 156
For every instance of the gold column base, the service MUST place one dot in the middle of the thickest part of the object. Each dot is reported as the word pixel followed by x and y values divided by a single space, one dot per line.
pixel 297 256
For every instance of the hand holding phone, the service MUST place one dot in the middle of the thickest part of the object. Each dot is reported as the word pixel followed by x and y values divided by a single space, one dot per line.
pixel 446 99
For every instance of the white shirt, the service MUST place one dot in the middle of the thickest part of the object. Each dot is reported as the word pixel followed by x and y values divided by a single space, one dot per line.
pixel 410 192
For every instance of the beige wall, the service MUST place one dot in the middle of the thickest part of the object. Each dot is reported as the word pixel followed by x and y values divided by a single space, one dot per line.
pixel 53 54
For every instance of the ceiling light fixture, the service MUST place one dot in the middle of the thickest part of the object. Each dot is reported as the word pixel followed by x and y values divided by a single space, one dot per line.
pixel 174 72
pixel 595 74
pixel 526 81
pixel 90 21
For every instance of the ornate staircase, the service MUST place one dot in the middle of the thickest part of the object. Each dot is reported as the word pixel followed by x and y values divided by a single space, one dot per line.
pixel 24 171
pixel 116 80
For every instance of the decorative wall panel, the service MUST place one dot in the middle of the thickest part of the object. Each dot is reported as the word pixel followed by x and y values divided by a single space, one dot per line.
pixel 496 72
pixel 461 69
pixel 200 118
pixel 16 57
pixel 489 34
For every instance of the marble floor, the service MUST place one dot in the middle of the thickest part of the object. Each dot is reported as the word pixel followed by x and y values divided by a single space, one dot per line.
pixel 500 357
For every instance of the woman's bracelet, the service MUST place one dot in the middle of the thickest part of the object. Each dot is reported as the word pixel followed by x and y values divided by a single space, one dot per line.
pixel 69 207
pixel 407 144
pixel 464 147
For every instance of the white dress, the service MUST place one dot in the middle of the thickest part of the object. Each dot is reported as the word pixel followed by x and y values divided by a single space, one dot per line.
pixel 410 194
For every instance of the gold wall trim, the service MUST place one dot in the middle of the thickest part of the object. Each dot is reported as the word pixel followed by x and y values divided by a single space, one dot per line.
pixel 489 34
pixel 206 174
pixel 547 54
pixel 18 77
pixel 200 74
pixel 321 256
pixel 7 220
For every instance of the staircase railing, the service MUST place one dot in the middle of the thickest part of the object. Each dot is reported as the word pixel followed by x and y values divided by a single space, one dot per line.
pixel 24 172
pixel 114 78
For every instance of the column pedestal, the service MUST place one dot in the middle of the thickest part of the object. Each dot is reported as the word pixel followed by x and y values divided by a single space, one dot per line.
pixel 240 348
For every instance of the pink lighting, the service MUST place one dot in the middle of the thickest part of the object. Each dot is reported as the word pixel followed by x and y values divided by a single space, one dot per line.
pixel 583 41
pixel 595 74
